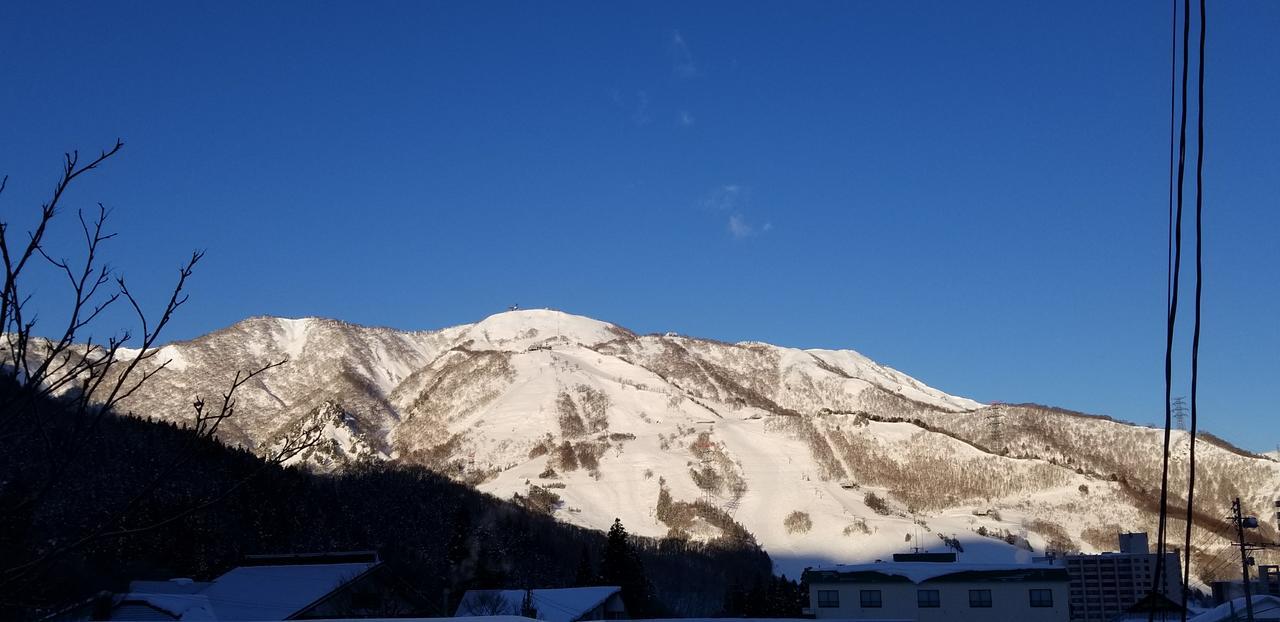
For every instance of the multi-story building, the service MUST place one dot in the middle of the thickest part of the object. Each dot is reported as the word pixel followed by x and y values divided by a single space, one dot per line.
pixel 940 590
pixel 1106 585
pixel 1266 580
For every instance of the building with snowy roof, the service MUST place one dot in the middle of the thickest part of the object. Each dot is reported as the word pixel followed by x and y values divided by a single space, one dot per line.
pixel 1266 581
pixel 938 591
pixel 1266 608
pixel 570 604
pixel 280 587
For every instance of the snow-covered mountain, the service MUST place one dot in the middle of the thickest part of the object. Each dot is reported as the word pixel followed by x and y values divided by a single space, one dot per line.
pixel 819 455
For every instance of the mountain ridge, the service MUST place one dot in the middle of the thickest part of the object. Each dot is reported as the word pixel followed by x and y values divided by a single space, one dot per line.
pixel 695 438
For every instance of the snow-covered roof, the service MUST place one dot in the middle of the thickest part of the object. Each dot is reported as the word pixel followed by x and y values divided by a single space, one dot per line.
pixel 253 593
pixel 919 572
pixel 172 586
pixel 553 605
pixel 1266 608
pixel 276 592
pixel 190 607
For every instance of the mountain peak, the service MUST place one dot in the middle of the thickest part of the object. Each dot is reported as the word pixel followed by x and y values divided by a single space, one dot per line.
pixel 823 455
pixel 520 329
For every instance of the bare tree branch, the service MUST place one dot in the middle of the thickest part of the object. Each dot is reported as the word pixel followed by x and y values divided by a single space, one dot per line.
pixel 58 388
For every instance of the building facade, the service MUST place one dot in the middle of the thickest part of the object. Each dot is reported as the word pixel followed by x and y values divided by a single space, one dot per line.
pixel 1265 580
pixel 1106 585
pixel 939 592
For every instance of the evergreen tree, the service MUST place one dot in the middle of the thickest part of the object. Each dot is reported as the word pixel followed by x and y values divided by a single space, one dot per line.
pixel 785 599
pixel 757 601
pixel 735 601
pixel 526 605
pixel 621 566
pixel 489 573
pixel 459 547
pixel 774 597
pixel 585 576
pixel 616 561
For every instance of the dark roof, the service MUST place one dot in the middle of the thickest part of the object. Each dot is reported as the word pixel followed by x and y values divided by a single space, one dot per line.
pixel 1154 601
pixel 924 557
pixel 289 559
pixel 1030 574
pixel 930 572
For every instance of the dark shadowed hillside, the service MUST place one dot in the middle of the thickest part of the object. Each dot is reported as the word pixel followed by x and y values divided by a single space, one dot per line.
pixel 442 537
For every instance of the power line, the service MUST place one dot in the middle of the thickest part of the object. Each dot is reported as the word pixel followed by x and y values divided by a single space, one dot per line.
pixel 1157 582
pixel 1195 338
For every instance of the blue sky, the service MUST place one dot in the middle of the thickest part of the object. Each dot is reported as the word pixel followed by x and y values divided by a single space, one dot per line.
pixel 974 193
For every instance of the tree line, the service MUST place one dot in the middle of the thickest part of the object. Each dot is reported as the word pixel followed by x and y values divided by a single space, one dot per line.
pixel 91 499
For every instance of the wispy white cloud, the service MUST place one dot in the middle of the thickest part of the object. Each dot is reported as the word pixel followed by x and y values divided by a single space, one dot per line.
pixel 733 200
pixel 681 58
pixel 685 118
pixel 725 198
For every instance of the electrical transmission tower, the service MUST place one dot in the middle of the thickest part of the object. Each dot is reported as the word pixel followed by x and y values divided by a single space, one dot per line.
pixel 995 421
pixel 1179 408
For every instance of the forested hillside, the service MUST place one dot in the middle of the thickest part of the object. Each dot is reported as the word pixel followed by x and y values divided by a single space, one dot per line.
pixel 442 537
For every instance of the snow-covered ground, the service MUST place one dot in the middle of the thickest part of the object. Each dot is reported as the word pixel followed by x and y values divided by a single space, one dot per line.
pixel 811 451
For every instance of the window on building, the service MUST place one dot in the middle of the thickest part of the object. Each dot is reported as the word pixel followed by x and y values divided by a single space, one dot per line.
pixel 1041 598
pixel 928 599
pixel 828 598
pixel 979 598
pixel 870 599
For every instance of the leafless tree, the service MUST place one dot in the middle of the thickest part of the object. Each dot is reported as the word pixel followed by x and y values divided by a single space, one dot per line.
pixel 57 381
pixel 486 603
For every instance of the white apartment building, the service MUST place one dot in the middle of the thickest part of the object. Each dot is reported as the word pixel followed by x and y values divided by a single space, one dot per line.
pixel 1104 586
pixel 939 591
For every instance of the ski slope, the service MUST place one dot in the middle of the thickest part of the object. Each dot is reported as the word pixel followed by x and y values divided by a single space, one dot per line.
pixel 822 456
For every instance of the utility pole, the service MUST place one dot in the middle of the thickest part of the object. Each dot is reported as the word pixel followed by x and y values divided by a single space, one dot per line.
pixel 1241 521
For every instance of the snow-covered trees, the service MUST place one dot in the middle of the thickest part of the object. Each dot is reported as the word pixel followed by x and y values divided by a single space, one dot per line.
pixel 797 522
pixel 876 503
